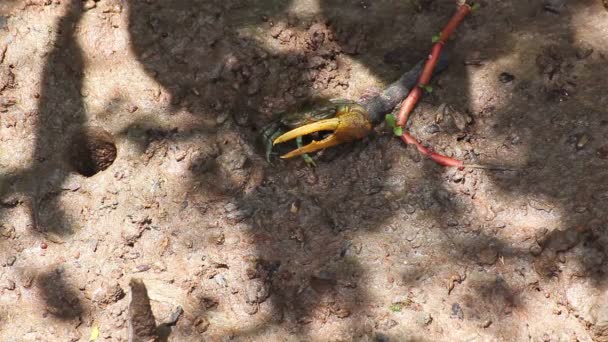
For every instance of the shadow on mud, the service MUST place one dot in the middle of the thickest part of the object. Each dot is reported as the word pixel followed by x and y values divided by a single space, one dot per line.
pixel 214 63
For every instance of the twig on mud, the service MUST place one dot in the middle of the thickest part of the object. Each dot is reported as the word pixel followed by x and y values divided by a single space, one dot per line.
pixel 436 157
pixel 414 96
pixel 448 161
pixel 410 102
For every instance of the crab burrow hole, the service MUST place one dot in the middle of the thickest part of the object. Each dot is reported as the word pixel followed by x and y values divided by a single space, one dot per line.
pixel 92 150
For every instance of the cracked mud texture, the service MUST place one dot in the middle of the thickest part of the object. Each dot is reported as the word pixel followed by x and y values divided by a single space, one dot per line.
pixel 375 244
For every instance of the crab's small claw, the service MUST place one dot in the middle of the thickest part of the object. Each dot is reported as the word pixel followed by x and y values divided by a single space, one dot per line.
pixel 350 123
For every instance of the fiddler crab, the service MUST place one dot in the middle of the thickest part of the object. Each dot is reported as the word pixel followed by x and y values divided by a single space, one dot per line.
pixel 346 120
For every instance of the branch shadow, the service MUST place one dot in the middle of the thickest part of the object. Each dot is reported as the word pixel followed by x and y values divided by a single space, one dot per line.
pixel 210 59
pixel 212 70
pixel 60 113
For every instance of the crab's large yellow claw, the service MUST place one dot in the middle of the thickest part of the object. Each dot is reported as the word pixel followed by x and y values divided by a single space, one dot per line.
pixel 323 125
pixel 351 123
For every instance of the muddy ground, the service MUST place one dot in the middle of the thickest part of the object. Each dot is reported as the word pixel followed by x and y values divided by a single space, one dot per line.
pixel 129 149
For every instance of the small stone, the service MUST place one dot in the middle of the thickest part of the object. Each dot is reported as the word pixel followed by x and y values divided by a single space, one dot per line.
pixel 553 6
pixel 233 240
pixel 159 266
pixel 540 234
pixel 132 108
pixel 505 77
pixel 295 207
pixel 343 313
pixel 584 52
pixel 180 155
pixel 9 285
pixel 582 141
pixel 10 261
pixel 486 323
pixel 175 315
pixel 410 209
pixel 457 311
pixel 256 291
pixel 457 177
pixel 460 120
pixel 89 4
pixel 540 204
pixel 536 249
pixel 432 129
pixel 220 119
pixel 142 268
pixel 108 294
pixel 380 337
pixel 27 278
pixel 116 273
pixel 219 239
pixel 201 324
pixel 580 209
pixel 424 318
pixel 43 245
pixel 251 309
pixel 220 280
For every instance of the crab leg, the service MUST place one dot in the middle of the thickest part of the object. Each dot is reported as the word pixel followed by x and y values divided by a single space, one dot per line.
pixel 307 158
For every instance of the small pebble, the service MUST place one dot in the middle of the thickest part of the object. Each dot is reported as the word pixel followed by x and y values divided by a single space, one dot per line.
pixel 584 52
pixel 142 268
pixel 10 261
pixel 424 318
pixel 9 285
pixel 582 141
pixel 505 77
pixel 89 4
pixel 457 311
pixel 536 250
pixel 220 119
pixel 132 108
pixel 553 6
pixel 295 207
pixel 432 129
pixel 343 313
pixel 43 245
pixel 457 177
